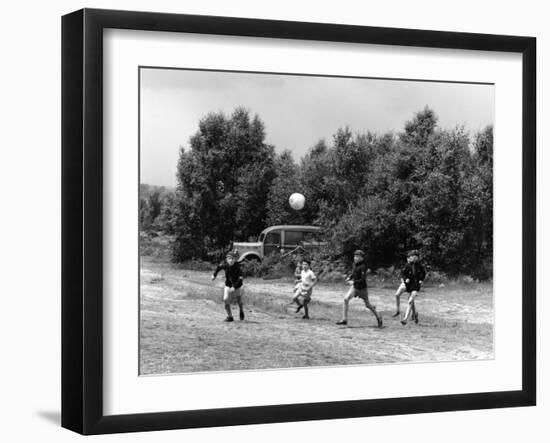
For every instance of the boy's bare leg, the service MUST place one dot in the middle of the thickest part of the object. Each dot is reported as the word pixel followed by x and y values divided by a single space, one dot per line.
pixel 414 313
pixel 410 307
pixel 345 307
pixel 397 305
pixel 240 303
pixel 306 310
pixel 372 309
pixel 227 303
pixel 296 300
pixel 398 293
pixel 228 310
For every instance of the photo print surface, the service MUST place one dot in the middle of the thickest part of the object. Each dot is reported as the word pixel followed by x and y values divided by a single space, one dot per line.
pixel 293 221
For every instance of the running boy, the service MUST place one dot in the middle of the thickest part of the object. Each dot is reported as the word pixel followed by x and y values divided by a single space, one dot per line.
pixel 358 280
pixel 304 289
pixel 412 276
pixel 233 284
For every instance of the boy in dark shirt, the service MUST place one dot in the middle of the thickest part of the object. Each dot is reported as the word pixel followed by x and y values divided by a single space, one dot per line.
pixel 358 280
pixel 402 287
pixel 233 284
pixel 412 276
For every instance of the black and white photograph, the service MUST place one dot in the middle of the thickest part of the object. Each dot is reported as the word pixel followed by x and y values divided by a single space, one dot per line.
pixel 296 221
pixel 272 222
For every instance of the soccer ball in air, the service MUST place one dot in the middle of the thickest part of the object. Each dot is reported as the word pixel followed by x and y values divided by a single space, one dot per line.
pixel 297 201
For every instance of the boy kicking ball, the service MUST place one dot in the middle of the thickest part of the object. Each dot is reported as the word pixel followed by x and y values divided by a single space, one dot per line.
pixel 304 288
pixel 412 276
pixel 358 282
pixel 233 284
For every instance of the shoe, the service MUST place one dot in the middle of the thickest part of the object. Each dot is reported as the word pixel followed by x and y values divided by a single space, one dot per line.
pixel 241 315
pixel 416 317
pixel 299 308
pixel 306 317
pixel 228 319
pixel 380 321
pixel 396 314
pixel 342 322
pixel 403 322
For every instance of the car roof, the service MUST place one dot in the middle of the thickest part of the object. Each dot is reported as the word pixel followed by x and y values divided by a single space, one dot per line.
pixel 304 228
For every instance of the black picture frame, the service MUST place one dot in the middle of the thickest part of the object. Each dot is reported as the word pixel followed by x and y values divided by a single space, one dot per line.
pixel 82 218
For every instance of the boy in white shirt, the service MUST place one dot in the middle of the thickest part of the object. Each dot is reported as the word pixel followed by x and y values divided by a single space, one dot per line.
pixel 302 295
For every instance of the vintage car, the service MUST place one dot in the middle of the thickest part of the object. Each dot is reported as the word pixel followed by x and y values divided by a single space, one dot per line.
pixel 282 239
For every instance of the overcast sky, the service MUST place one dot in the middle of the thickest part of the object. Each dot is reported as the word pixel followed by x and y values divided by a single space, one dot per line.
pixel 297 110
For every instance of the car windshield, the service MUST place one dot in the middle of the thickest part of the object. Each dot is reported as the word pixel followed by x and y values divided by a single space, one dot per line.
pixel 262 236
pixel 312 236
pixel 293 237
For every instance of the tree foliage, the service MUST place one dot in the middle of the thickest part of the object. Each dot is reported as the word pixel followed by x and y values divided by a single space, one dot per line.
pixel 424 187
pixel 151 202
pixel 223 183
pixel 287 181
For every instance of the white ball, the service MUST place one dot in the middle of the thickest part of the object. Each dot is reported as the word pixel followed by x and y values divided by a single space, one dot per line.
pixel 297 201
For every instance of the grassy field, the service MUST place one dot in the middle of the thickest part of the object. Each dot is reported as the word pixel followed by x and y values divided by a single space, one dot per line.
pixel 182 328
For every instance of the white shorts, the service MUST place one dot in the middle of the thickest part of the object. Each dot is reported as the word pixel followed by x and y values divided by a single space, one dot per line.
pixel 230 294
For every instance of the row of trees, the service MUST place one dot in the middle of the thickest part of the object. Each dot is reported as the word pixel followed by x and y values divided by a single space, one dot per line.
pixel 425 187
pixel 154 200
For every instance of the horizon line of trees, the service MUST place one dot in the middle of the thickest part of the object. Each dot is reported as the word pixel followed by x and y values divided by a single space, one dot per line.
pixel 425 187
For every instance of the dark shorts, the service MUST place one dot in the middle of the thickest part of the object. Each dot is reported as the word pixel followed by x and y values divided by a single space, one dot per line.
pixel 412 287
pixel 403 287
pixel 304 298
pixel 361 293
